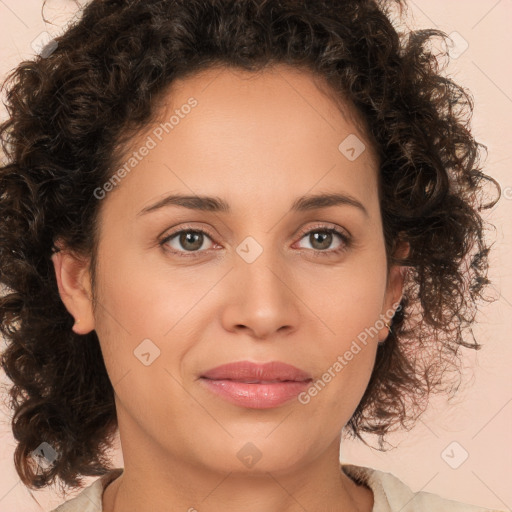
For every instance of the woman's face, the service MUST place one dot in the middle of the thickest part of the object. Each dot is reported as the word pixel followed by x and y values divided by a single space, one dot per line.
pixel 258 286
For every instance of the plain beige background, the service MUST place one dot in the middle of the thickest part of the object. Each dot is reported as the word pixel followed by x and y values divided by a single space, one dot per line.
pixel 477 424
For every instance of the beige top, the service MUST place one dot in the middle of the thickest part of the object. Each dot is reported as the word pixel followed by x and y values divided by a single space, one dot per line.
pixel 390 494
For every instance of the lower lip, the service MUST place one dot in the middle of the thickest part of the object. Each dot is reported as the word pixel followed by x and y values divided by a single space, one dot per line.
pixel 256 396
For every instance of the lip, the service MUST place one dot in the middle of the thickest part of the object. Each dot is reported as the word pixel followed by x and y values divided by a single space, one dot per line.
pixel 227 381
pixel 247 370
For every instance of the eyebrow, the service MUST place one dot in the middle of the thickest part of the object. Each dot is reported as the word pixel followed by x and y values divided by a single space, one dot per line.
pixel 216 204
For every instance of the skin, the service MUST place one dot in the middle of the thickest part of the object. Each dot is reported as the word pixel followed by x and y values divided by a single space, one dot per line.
pixel 258 141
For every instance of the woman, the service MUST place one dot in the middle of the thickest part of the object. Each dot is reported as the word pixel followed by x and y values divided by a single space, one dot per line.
pixel 234 231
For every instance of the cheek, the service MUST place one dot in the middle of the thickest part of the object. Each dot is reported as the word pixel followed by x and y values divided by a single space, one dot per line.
pixel 347 306
pixel 348 298
pixel 345 353
pixel 142 297
pixel 139 301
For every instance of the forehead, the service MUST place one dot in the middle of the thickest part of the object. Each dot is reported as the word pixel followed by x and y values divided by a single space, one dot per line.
pixel 276 96
pixel 274 132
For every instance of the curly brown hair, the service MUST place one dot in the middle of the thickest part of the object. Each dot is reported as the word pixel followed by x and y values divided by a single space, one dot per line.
pixel 71 111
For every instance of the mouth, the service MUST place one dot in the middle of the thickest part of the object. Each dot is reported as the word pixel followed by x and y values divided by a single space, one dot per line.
pixel 242 381
pixel 256 385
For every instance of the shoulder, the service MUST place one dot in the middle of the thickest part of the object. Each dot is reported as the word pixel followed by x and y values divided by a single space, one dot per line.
pixel 90 498
pixel 391 494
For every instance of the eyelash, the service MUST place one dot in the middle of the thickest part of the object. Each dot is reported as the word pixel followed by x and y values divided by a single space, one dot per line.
pixel 321 228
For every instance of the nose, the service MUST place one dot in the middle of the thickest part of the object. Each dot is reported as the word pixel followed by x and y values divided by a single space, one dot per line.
pixel 263 299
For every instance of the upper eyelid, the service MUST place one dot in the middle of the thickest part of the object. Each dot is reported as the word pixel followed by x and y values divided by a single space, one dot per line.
pixel 325 226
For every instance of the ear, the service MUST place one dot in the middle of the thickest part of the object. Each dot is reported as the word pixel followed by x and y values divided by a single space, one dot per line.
pixel 394 290
pixel 73 279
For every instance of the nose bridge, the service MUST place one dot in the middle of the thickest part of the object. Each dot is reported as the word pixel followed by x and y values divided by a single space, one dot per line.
pixel 263 301
pixel 260 268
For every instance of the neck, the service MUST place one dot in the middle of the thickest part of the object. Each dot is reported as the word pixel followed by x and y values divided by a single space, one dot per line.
pixel 202 476
pixel 321 485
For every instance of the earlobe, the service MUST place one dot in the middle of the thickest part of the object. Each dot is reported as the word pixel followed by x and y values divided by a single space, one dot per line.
pixel 72 275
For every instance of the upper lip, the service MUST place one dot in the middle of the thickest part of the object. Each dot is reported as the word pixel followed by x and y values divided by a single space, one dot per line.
pixel 247 370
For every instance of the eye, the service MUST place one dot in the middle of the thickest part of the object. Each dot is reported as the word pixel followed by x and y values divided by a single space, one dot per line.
pixel 321 238
pixel 186 240
pixel 192 241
